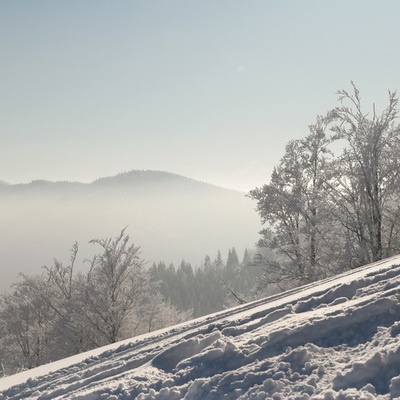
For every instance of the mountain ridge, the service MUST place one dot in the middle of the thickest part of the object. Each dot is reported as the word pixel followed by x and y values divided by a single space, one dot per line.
pixel 124 178
pixel 156 175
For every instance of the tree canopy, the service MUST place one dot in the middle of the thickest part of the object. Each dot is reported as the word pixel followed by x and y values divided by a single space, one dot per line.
pixel 324 213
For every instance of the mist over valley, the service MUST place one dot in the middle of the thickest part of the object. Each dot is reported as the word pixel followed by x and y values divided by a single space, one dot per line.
pixel 169 216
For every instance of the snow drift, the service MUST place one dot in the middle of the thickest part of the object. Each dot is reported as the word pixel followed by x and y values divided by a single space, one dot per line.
pixel 336 339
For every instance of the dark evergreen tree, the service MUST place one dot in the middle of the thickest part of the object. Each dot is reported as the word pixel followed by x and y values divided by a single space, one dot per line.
pixel 218 261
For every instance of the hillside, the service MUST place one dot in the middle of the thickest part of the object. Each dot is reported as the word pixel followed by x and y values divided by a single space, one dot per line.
pixel 170 217
pixel 337 339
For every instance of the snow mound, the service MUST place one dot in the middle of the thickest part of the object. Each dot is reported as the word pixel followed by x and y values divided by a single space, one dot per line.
pixel 336 339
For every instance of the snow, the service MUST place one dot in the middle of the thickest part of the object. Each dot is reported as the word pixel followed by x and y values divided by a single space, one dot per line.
pixel 335 339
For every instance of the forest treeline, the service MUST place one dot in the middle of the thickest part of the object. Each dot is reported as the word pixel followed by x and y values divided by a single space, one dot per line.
pixel 217 284
pixel 62 312
pixel 325 213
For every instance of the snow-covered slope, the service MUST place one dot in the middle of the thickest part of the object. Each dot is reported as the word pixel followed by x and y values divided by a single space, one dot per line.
pixel 337 339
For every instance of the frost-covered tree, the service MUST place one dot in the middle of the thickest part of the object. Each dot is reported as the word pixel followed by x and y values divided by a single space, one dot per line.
pixel 323 213
pixel 115 286
pixel 60 313
pixel 365 186
pixel 59 289
pixel 295 212
pixel 27 322
pixel 156 313
pixel 62 295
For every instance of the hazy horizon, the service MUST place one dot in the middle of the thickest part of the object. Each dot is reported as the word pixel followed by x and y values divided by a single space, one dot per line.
pixel 116 175
pixel 170 217
pixel 209 90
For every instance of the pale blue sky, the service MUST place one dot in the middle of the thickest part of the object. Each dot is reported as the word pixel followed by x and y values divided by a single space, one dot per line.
pixel 210 89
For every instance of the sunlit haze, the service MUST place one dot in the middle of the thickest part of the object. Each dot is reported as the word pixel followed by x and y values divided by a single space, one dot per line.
pixel 212 90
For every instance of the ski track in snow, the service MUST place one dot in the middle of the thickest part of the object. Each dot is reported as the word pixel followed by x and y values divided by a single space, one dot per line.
pixel 334 339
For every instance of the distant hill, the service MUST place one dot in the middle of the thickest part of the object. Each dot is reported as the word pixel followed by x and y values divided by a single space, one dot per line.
pixel 156 179
pixel 169 216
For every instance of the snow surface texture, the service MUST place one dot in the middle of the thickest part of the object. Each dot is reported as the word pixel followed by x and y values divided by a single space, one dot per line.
pixel 336 339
